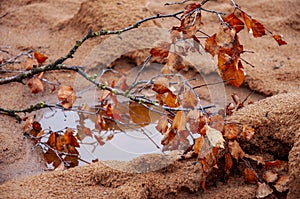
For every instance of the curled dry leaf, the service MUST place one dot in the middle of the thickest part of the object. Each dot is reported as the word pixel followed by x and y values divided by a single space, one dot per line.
pixel 171 100
pixel 211 45
pixel 196 121
pixel 198 144
pixel 161 85
pixel 41 58
pixel 278 39
pixel 277 165
pixel 253 26
pixel 258 159
pixel 250 176
pixel 282 183
pixel 162 125
pixel 247 132
pixel 234 22
pixel 270 176
pixel 235 150
pixel 175 62
pixel 263 190
pixel 35 85
pixel 179 121
pixel 215 137
pixel 67 96
pixel 231 131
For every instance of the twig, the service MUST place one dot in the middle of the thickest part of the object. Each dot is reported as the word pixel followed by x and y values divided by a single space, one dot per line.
pixel 13 59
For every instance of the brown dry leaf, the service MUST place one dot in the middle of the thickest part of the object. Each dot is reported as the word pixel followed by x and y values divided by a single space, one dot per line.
pixel 67 96
pixel 189 100
pixel 35 85
pixel 228 163
pixel 231 131
pixel 247 132
pixel 270 176
pixel 72 160
pixel 161 50
pixel 250 176
pixel 162 125
pixel 104 95
pixel 161 85
pixel 69 138
pixel 277 165
pixel 27 125
pixel 59 143
pixel 215 137
pixel 235 150
pixel 253 26
pixel 234 22
pixel 41 58
pixel 139 114
pixel 282 183
pixel 263 190
pixel 225 38
pixel 278 39
pixel 36 126
pixel 198 144
pixel 175 35
pixel 171 100
pixel 61 167
pixel 211 45
pixel 179 121
pixel 196 121
pixel 258 159
pixel 217 122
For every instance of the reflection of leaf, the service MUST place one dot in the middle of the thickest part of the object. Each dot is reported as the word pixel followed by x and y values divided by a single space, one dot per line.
pixel 69 138
pixel 211 45
pixel 52 140
pixel 100 140
pixel 198 144
pixel 139 114
pixel 67 96
pixel 162 125
pixel 35 85
pixel 71 160
pixel 51 157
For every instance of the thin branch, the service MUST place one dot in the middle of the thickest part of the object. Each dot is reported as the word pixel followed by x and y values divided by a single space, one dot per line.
pixel 13 60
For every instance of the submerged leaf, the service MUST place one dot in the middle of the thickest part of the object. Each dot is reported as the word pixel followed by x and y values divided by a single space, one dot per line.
pixel 35 85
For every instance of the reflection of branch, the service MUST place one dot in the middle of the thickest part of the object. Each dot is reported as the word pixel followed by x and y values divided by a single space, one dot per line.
pixel 14 59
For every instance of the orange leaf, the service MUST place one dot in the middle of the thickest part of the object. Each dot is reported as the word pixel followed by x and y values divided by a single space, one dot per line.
pixel 171 100
pixel 36 126
pixel 139 114
pixel 211 45
pixel 235 150
pixel 198 144
pixel 196 121
pixel 231 131
pixel 67 96
pixel 189 100
pixel 169 137
pixel 51 157
pixel 161 85
pixel 228 163
pixel 161 50
pixel 52 139
pixel 250 176
pixel 179 121
pixel 35 85
pixel 41 58
pixel 279 40
pixel 69 138
pixel 162 125
pixel 253 26
pixel 233 72
pixel 277 165
pixel 234 22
